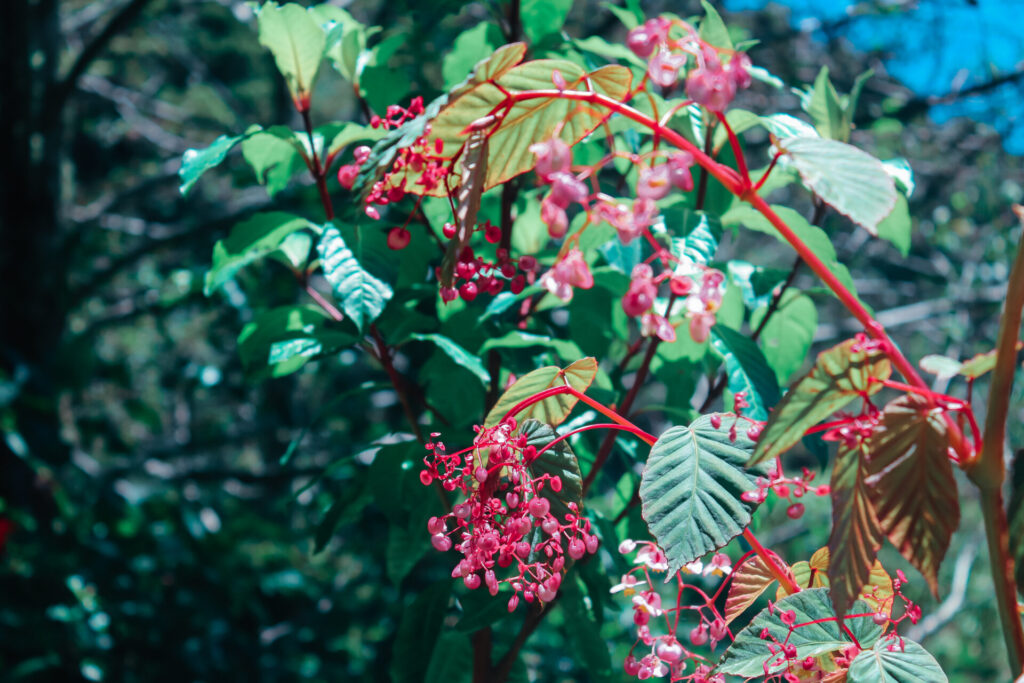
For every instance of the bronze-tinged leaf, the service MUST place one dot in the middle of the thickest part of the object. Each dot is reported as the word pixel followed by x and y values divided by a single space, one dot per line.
pixel 748 581
pixel 840 375
pixel 474 169
pixel 856 534
pixel 813 574
pixel 911 483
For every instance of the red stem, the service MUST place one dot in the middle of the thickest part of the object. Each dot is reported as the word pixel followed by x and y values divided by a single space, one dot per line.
pixel 737 150
pixel 649 439
pixel 632 430
pixel 782 577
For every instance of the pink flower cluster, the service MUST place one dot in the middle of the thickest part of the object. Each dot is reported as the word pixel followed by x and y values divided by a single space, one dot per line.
pixel 570 272
pixel 659 655
pixel 505 521
pixel 711 82
pixel 554 161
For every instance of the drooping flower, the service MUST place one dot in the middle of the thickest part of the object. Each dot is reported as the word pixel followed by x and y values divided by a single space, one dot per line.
pixel 571 272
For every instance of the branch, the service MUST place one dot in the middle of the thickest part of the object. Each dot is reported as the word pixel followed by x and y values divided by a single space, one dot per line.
pixel 119 22
pixel 921 104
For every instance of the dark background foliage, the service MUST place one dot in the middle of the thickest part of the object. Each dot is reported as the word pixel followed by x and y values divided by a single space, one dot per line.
pixel 155 532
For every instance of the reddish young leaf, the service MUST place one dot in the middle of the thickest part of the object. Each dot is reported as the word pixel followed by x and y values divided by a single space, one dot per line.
pixel 856 534
pixel 911 483
pixel 840 375
pixel 751 579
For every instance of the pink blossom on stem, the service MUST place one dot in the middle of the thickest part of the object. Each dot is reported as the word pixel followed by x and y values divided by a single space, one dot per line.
pixel 553 156
pixel 664 67
pixel 569 273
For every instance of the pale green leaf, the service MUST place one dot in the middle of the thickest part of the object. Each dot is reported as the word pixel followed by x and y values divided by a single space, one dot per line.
pixel 787 336
pixel 281 340
pixel 275 155
pixel 941 366
pixel 249 241
pixel 462 357
pixel 541 18
pixel 897 226
pixel 196 162
pixel 846 178
pixel 515 339
pixel 297 40
pixel 712 28
pixel 362 295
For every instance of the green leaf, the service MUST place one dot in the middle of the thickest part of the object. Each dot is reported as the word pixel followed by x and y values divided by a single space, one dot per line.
pixel 902 174
pixel 560 461
pixel 450 662
pixel 910 663
pixel 748 655
pixel 982 363
pixel 480 609
pixel 826 110
pixel 541 18
pixel 747 370
pixel 585 634
pixel 909 454
pixel 275 155
pixel 362 295
pixel 554 409
pixel 856 534
pixel 941 366
pixel 897 226
pixel 516 339
pixel 297 41
pixel 196 162
pixel 749 581
pixel 469 47
pixel 461 356
pixel 702 234
pixel 251 240
pixel 787 336
pixel 815 238
pixel 785 126
pixel 418 632
pixel 840 375
pixel 405 548
pixel 846 178
pixel 281 340
pixel 352 132
pixel 610 51
pixel 691 489
pixel 712 28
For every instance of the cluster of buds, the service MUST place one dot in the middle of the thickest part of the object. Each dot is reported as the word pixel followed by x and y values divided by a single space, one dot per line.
pixel 711 82
pixel 786 488
pixel 474 275
pixel 659 652
pixel 506 521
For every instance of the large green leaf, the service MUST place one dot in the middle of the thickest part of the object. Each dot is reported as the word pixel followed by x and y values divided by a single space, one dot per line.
pixel 418 632
pixel 911 482
pixel 541 18
pixel 897 227
pixel 554 409
pixel 297 40
pixel 275 155
pixel 746 370
pixel 450 662
pixel 787 336
pixel 846 178
pixel 749 656
pixel 560 461
pixel 815 238
pixel 840 375
pixel 469 47
pixel 461 356
pixel 516 339
pixel 281 340
pixel 702 234
pixel 196 162
pixel 824 107
pixel 856 535
pixel 525 123
pixel 712 29
pixel 251 240
pixel 585 634
pixel 362 295
pixel 691 489
pixel 895 660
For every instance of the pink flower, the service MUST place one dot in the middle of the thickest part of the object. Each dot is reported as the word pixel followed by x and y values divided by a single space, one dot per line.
pixel 567 189
pixel 653 556
pixel 572 271
pixel 654 182
pixel 654 325
pixel 644 38
pixel 711 85
pixel 628 585
pixel 679 171
pixel 664 67
pixel 553 156
pixel 554 216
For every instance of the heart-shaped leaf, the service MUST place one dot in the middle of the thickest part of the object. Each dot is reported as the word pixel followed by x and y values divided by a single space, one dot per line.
pixel 840 375
pixel 554 409
pixel 895 660
pixel 297 40
pixel 691 489
pixel 908 455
